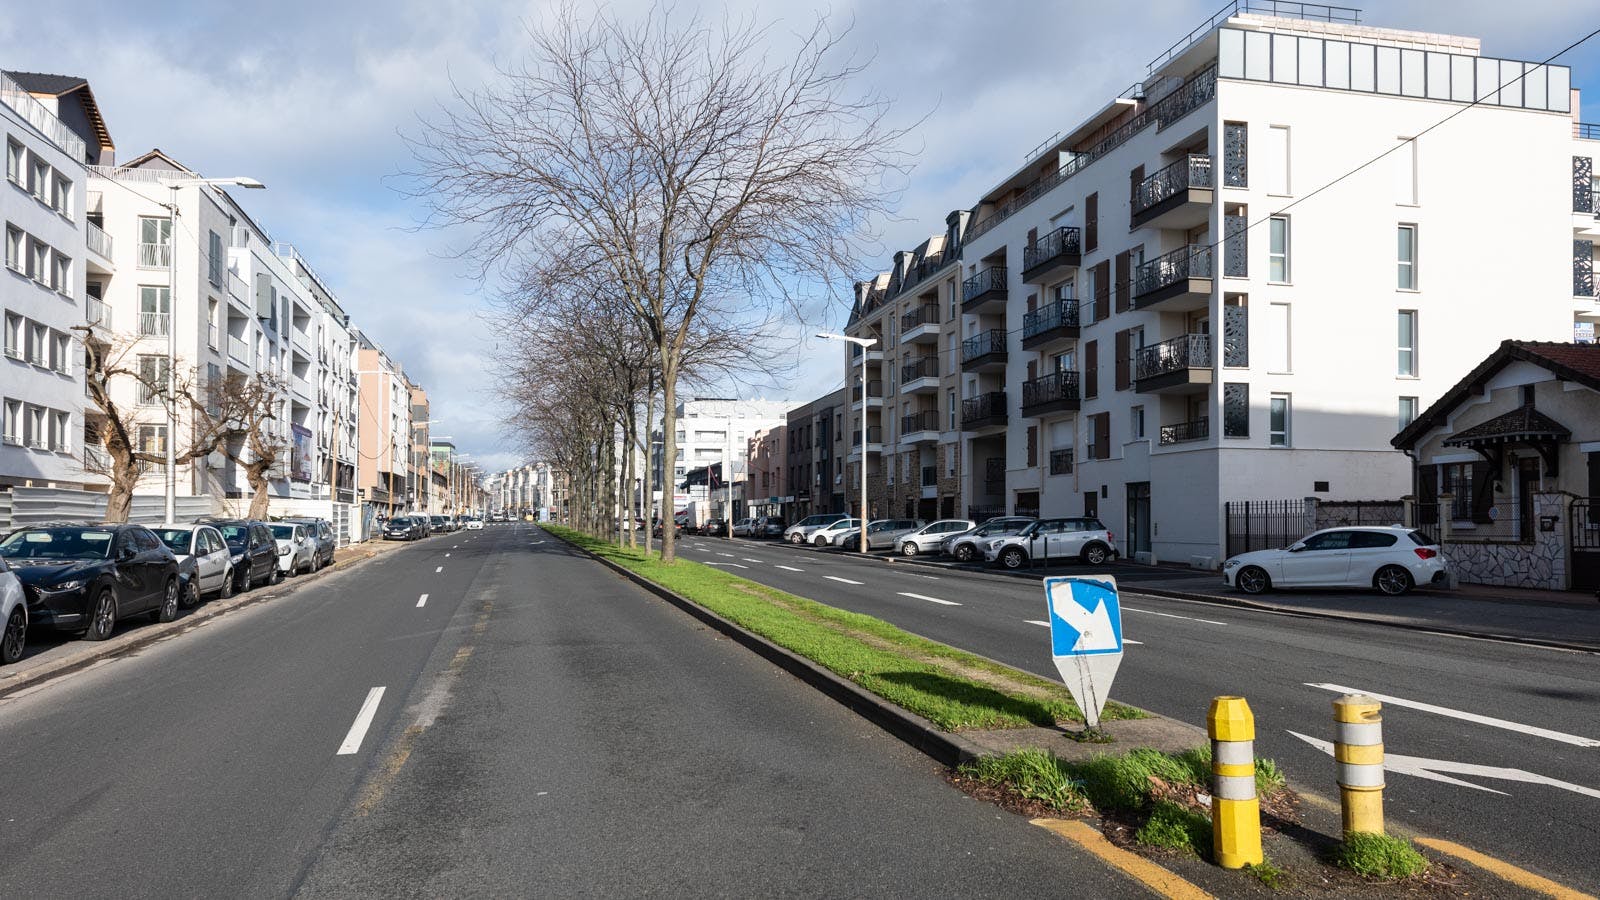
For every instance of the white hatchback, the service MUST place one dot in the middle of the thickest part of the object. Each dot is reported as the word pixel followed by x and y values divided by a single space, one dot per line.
pixel 824 536
pixel 14 613
pixel 1391 559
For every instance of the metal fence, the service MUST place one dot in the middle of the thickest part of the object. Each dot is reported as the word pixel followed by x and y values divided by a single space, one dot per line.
pixel 1263 524
pixel 33 506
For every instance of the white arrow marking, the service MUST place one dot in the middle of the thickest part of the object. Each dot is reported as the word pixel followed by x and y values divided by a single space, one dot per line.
pixel 1092 625
pixel 1465 716
pixel 930 599
pixel 1431 769
pixel 1047 625
pixel 422 601
pixel 845 580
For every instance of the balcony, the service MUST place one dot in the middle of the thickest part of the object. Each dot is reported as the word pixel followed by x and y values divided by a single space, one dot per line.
pixel 1050 395
pixel 1589 131
pixel 985 292
pixel 1061 462
pixel 874 441
pixel 100 245
pixel 1178 366
pixel 1179 281
pixel 1183 432
pixel 96 312
pixel 1051 324
pixel 920 326
pixel 994 475
pixel 985 352
pixel 239 352
pixel 920 428
pixel 920 375
pixel 154 324
pixel 874 395
pixel 1052 254
pixel 154 256
pixel 984 411
pixel 1178 196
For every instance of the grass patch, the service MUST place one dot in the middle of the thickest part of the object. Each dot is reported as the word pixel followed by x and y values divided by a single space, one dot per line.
pixel 1379 856
pixel 1268 874
pixel 953 689
pixel 1033 774
pixel 1122 783
pixel 1174 827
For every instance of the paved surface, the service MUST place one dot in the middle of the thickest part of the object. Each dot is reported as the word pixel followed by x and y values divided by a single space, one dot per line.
pixel 544 728
pixel 1191 652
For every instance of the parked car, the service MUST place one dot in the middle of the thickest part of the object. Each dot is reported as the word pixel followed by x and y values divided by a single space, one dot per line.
pixel 714 528
pixel 204 564
pixel 403 528
pixel 769 527
pixel 967 546
pixel 1389 559
pixel 85 578
pixel 823 536
pixel 254 552
pixel 881 534
pixel 297 551
pixel 323 535
pixel 744 528
pixel 1082 538
pixel 14 613
pixel 801 531
pixel 929 537
pixel 474 524
pixel 440 524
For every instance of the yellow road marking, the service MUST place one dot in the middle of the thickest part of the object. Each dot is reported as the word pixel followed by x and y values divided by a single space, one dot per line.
pixel 1137 867
pixel 1504 870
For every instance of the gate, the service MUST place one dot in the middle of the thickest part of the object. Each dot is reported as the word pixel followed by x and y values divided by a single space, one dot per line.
pixel 1263 524
pixel 1583 533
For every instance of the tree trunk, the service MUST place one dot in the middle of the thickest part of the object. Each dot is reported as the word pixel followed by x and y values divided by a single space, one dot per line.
pixel 648 496
pixel 257 478
pixel 669 454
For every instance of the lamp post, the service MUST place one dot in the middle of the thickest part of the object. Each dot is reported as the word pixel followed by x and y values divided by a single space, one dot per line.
pixel 865 344
pixel 172 333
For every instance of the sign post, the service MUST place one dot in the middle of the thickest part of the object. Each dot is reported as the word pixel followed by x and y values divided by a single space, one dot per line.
pixel 1085 637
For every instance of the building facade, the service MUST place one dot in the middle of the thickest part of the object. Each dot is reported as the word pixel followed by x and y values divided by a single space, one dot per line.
pixel 814 456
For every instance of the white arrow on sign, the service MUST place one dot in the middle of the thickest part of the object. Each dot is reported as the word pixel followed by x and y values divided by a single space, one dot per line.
pixel 1085 637
pixel 1431 769
pixel 1093 626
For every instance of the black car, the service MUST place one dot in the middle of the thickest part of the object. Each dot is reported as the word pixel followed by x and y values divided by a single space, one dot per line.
pixel 84 578
pixel 254 550
pixel 402 528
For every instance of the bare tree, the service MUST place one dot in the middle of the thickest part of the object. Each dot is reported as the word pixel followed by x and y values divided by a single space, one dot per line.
pixel 246 411
pixel 694 165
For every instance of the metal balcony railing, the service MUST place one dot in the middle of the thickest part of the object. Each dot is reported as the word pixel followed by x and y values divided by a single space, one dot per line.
pixel 991 279
pixel 154 256
pixel 97 312
pixel 1050 388
pixel 984 409
pixel 1064 241
pixel 153 323
pixel 1198 430
pixel 97 239
pixel 874 390
pixel 926 367
pixel 1060 314
pixel 1192 261
pixel 991 341
pixel 922 315
pixel 874 435
pixel 1587 130
pixel 39 116
pixel 1194 171
pixel 927 420
pixel 1189 351
pixel 1061 462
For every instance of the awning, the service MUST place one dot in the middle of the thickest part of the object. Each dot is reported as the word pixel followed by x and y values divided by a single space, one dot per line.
pixel 1522 427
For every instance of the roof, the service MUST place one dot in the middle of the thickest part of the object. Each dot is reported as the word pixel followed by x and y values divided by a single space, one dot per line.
pixel 1577 363
pixel 156 155
pixel 61 85
pixel 1522 424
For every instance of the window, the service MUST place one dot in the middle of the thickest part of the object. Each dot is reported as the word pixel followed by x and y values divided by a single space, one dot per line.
pixel 35 437
pixel 15 163
pixel 1278 249
pixel 38 340
pixel 60 353
pixel 155 242
pixel 13 422
pixel 1136 423
pixel 14 258
pixel 1278 421
pixel 951 402
pixel 1406 257
pixel 154 306
pixel 13 335
pixel 62 281
pixel 1236 410
pixel 152 438
pixel 38 184
pixel 1457 481
pixel 211 320
pixel 214 272
pixel 60 423
pixel 152 379
pixel 1408 412
pixel 39 261
pixel 1277 162
pixel 1406 364
pixel 61 195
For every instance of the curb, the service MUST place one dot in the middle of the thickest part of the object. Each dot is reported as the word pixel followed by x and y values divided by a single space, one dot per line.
pixel 947 749
pixel 150 634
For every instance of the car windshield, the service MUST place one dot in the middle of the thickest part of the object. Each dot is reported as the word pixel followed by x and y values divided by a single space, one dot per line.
pixel 57 543
pixel 399 523
pixel 283 532
pixel 176 539
pixel 235 534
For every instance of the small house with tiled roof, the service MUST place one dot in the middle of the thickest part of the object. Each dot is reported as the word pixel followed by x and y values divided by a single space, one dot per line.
pixel 1507 467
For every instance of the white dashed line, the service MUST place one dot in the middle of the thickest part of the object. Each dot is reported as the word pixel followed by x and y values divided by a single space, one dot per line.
pixel 358 728
pixel 422 601
pixel 734 565
pixel 930 599
pixel 789 568
pixel 845 580
pixel 748 559
pixel 438 570
pixel 1150 612
pixel 447 556
pixel 728 555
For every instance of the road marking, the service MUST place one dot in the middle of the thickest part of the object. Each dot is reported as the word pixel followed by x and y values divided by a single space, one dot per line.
pixel 1150 612
pixel 422 601
pixel 447 556
pixel 1505 871
pixel 748 559
pixel 845 580
pixel 1157 879
pixel 1432 770
pixel 733 565
pixel 358 728
pixel 728 555
pixel 930 599
pixel 438 570
pixel 1047 625
pixel 1465 716
pixel 789 568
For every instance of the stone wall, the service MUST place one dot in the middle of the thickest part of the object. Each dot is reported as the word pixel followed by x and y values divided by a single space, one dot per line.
pixel 1541 564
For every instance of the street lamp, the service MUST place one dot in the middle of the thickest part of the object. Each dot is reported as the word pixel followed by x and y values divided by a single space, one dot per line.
pixel 865 344
pixel 172 333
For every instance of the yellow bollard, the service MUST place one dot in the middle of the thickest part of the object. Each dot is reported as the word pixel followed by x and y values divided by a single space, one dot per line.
pixel 1235 810
pixel 1358 749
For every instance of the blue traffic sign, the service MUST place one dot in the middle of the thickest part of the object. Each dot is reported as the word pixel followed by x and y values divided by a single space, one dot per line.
pixel 1085 616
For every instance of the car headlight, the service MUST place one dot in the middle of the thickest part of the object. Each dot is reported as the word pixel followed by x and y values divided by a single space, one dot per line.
pixel 1230 564
pixel 65 586
pixel 285 551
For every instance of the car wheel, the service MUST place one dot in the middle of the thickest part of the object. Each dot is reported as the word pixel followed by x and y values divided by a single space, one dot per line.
pixel 1095 554
pixel 191 597
pixel 168 610
pixel 1392 580
pixel 797 538
pixel 15 638
pixel 1253 580
pixel 277 575
pixel 1013 557
pixel 965 552
pixel 909 548
pixel 103 616
pixel 820 542
pixel 228 580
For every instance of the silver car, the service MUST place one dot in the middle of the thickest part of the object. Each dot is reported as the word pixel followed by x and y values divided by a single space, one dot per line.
pixel 205 565
pixel 881 533
pixel 1081 538
pixel 967 546
pixel 801 531
pixel 928 538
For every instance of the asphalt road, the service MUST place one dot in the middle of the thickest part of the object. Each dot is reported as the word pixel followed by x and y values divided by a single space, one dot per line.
pixel 1547 702
pixel 535 726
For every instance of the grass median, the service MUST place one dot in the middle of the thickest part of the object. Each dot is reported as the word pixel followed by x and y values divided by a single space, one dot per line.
pixel 955 690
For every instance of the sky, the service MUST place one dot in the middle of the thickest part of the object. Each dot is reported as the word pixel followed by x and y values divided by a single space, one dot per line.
pixel 314 99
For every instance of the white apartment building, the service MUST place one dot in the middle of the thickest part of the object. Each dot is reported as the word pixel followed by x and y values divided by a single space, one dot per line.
pixel 1196 295
pixel 324 389
pixel 712 431
pixel 51 248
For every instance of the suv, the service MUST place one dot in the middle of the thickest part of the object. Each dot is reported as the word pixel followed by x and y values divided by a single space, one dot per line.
pixel 86 578
pixel 801 531
pixel 254 552
pixel 1082 538
pixel 881 533
pixel 968 545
